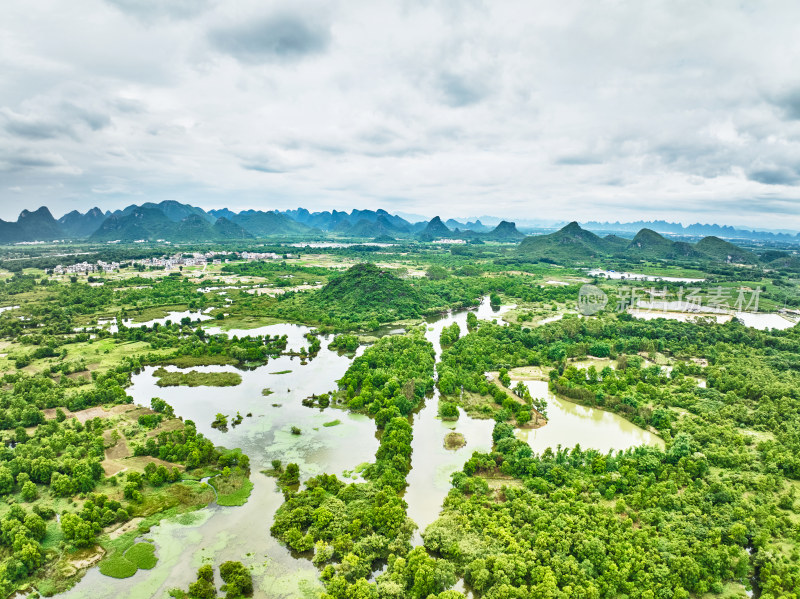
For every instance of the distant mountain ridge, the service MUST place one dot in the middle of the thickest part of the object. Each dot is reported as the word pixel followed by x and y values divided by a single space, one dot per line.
pixel 174 221
pixel 694 230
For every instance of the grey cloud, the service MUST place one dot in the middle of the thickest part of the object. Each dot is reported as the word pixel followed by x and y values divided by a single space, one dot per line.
pixel 128 105
pixel 459 90
pixel 22 159
pixel 65 120
pixel 32 129
pixel 789 103
pixel 93 119
pixel 282 36
pixel 149 11
pixel 425 104
pixel 774 176
pixel 578 160
pixel 261 168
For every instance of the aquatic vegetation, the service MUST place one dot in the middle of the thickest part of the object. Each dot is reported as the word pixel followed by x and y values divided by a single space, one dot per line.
pixel 194 378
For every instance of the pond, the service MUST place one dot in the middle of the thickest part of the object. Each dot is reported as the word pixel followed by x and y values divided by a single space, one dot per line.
pixel 226 533
pixel 758 320
pixel 570 424
pixel 632 276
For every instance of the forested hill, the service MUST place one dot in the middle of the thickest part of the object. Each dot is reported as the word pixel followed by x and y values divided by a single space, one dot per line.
pixel 366 287
pixel 573 243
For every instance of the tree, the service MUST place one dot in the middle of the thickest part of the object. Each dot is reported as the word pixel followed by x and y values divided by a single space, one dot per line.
pixel 448 410
pixel 29 492
pixel 504 378
pixel 437 273
pixel 237 578
pixel 78 530
pixel 6 481
pixel 291 475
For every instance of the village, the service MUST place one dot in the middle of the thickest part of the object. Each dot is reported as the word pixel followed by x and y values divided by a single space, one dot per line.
pixel 176 261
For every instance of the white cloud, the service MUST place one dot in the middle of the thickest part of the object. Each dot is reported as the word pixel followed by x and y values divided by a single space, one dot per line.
pixel 583 110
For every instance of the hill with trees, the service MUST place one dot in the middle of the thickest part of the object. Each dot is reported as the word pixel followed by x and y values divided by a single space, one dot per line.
pixel 76 225
pixel 505 231
pixel 368 288
pixel 435 229
pixel 575 243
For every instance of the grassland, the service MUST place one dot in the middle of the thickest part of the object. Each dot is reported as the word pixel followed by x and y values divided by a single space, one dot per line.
pixel 232 490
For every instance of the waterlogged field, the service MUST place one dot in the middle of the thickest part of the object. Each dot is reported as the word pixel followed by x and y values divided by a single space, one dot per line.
pixel 459 394
pixel 218 533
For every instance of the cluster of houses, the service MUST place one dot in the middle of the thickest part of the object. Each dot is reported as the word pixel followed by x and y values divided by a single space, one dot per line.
pixel 178 260
pixel 166 262
pixel 260 256
pixel 86 268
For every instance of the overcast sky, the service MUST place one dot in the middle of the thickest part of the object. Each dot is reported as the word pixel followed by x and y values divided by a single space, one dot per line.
pixel 608 110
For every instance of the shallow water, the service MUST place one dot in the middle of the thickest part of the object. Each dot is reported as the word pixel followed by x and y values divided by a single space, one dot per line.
pixel 224 533
pixel 612 274
pixel 173 317
pixel 763 320
pixel 757 320
pixel 216 534
pixel 570 424
pixel 431 463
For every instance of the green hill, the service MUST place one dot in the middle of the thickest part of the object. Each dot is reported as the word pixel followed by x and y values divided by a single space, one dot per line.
pixel 139 223
pixel 39 224
pixel 365 288
pixel 435 229
pixel 269 224
pixel 380 227
pixel 572 243
pixel 191 228
pixel 650 245
pixel 616 244
pixel 787 262
pixel 225 229
pixel 77 226
pixel 147 222
pixel 569 243
pixel 724 251
pixel 505 231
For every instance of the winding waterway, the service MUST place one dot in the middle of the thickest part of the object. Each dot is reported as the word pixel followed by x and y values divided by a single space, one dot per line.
pixel 215 534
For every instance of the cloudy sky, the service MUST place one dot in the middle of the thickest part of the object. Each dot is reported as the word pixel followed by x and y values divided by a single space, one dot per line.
pixel 609 110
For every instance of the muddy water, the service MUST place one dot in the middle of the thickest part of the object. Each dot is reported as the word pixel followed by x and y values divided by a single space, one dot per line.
pixel 227 533
pixel 570 424
pixel 216 534
pixel 173 317
pixel 431 463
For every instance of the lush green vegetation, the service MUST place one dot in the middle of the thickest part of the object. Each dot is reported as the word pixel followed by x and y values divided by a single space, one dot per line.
pixel 713 512
pixel 352 527
pixel 237 579
pixel 194 378
pixel 716 506
pixel 124 565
